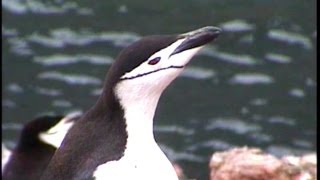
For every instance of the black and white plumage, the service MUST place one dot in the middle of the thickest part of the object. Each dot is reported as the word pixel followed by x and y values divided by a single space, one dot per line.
pixel 38 141
pixel 114 139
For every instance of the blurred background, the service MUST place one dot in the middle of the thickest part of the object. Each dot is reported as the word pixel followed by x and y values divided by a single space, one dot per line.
pixel 255 85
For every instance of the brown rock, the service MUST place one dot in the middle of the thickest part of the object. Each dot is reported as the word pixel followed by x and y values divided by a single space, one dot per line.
pixel 253 164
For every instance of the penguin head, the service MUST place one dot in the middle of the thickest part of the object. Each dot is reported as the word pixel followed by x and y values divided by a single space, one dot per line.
pixel 152 63
pixel 29 137
pixel 55 134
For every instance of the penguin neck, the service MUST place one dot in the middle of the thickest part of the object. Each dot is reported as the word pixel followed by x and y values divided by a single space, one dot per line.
pixel 139 106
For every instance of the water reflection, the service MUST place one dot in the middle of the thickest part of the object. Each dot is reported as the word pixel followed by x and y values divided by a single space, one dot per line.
pixel 70 78
pixel 242 59
pixel 290 38
pixel 62 37
pixel 278 58
pixel 238 25
pixel 60 59
pixel 251 78
pixel 38 7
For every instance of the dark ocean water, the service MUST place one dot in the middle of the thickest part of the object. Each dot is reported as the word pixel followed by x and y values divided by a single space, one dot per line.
pixel 256 85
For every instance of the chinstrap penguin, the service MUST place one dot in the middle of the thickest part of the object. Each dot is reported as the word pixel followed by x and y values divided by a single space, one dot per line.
pixel 38 141
pixel 114 139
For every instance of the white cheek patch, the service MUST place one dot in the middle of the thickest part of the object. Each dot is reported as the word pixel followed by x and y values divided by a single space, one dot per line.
pixel 6 154
pixel 184 57
pixel 146 68
pixel 56 134
pixel 176 61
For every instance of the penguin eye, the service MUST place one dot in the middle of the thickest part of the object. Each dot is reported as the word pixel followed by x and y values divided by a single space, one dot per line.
pixel 154 61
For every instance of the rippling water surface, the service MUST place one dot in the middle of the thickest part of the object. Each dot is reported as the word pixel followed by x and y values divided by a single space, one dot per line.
pixel 256 85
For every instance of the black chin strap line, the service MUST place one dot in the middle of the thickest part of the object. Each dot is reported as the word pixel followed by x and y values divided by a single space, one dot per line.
pixel 147 73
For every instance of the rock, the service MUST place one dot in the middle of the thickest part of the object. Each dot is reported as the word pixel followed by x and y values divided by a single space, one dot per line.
pixel 253 164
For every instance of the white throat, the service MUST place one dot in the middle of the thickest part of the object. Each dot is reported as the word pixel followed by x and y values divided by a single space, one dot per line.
pixel 139 108
pixel 143 158
pixel 139 98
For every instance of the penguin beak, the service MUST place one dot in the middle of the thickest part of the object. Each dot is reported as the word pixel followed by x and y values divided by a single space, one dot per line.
pixel 197 38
